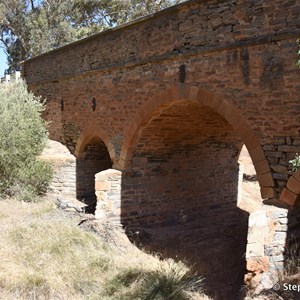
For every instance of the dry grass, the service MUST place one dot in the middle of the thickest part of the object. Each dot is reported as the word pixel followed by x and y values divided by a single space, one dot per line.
pixel 45 255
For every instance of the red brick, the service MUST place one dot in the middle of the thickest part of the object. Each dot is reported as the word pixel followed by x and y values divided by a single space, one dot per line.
pixel 293 185
pixel 262 167
pixel 265 180
pixel 267 192
pixel 251 142
pixel 296 174
pixel 257 154
pixel 289 197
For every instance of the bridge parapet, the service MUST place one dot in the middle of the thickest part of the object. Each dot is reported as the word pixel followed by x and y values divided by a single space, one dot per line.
pixel 193 27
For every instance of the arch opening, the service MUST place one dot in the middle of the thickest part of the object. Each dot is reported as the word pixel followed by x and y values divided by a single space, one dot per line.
pixel 93 157
pixel 249 198
pixel 180 193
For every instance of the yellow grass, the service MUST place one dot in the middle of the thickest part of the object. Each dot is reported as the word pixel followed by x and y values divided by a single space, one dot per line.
pixel 45 255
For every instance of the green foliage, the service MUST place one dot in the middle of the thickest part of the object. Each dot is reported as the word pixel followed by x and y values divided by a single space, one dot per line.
pixel 29 28
pixel 23 136
pixel 295 163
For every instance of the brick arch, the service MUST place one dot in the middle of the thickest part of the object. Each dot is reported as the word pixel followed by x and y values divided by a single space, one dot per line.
pixel 226 110
pixel 94 153
pixel 91 131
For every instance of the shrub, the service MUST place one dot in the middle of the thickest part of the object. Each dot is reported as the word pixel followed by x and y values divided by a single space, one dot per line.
pixel 23 136
pixel 295 163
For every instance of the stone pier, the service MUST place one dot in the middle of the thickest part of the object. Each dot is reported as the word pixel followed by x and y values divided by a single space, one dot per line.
pixel 108 193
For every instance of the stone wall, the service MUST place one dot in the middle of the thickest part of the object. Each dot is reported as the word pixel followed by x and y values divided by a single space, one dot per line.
pixel 279 151
pixel 64 167
pixel 267 235
pixel 238 51
pixel 194 25
pixel 273 236
pixel 184 168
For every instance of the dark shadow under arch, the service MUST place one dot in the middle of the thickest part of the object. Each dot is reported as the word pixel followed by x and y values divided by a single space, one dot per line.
pixel 180 189
pixel 216 103
pixel 93 157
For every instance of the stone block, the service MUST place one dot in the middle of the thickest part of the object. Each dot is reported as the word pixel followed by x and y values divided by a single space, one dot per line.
pixel 255 250
pixel 101 196
pixel 267 192
pixel 277 154
pixel 279 168
pixel 103 175
pixel 255 235
pixel 266 180
pixel 280 237
pixel 257 154
pixel 258 219
pixel 293 185
pixel 262 167
pixel 258 265
pixel 104 185
pixel 296 174
pixel 288 197
pixel 280 176
pixel 289 148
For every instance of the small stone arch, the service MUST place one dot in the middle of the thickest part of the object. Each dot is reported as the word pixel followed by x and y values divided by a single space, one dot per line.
pixel 226 110
pixel 94 153
pixel 88 133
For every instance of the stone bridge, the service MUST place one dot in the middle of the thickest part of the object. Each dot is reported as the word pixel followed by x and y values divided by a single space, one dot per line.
pixel 160 108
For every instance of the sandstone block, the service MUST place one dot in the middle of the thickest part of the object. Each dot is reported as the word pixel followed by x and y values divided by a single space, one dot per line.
pixel 258 265
pixel 102 185
pixel 101 196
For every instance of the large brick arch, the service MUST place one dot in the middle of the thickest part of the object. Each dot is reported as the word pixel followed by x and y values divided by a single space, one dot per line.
pixel 226 110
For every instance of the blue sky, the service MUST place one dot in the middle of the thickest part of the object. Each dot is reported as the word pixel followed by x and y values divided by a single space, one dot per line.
pixel 3 65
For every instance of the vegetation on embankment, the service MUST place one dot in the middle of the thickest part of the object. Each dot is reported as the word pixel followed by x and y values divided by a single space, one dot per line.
pixel 23 135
